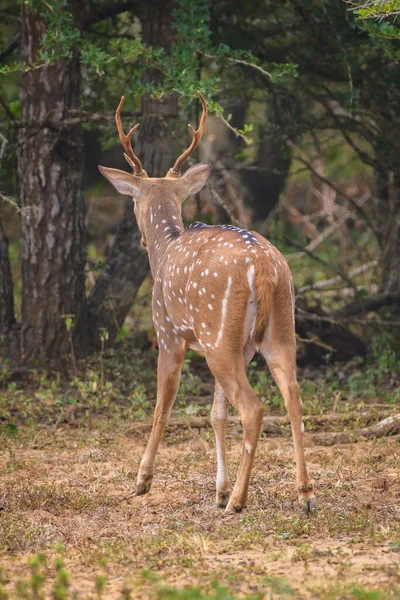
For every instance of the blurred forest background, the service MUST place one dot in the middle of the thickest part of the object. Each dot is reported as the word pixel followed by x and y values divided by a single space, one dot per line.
pixel 303 136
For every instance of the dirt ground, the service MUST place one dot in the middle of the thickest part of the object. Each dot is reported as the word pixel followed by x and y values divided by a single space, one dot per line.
pixel 71 494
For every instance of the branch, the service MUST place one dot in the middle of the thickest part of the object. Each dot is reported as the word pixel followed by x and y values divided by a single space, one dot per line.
pixel 221 202
pixel 78 120
pixel 6 15
pixel 386 427
pixel 246 140
pixel 276 425
pixel 103 13
pixel 304 315
pixel 340 192
pixel 368 304
pixel 241 62
pixel 314 256
pixel 329 230
pixel 10 49
pixel 326 282
pixel 316 341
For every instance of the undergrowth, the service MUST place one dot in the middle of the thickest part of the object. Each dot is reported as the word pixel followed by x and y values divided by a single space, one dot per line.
pixel 120 385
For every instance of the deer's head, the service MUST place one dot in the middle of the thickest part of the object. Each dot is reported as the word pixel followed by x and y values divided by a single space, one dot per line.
pixel 146 191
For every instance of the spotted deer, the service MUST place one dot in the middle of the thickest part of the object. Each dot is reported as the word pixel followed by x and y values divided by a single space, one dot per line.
pixel 223 291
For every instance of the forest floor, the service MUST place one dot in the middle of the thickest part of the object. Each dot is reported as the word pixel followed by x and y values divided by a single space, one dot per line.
pixel 71 525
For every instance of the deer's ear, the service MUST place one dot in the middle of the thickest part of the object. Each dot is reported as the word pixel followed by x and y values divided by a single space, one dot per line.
pixel 124 183
pixel 195 177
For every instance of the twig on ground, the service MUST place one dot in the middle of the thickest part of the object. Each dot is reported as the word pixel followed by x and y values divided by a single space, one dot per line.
pixel 274 425
pixel 387 427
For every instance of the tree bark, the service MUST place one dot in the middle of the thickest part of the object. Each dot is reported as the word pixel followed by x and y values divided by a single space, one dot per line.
pixel 272 163
pixel 127 264
pixel 52 216
pixel 391 246
pixel 7 318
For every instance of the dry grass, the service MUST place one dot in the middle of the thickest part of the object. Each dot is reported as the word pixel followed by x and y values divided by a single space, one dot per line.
pixel 75 488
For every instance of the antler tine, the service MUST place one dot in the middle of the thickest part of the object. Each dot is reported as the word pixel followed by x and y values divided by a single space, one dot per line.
pixel 197 135
pixel 130 156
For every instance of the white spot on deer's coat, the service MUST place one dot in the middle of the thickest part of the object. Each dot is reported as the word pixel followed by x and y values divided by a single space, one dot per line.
pixel 249 447
pixel 250 276
pixel 224 309
pixel 302 427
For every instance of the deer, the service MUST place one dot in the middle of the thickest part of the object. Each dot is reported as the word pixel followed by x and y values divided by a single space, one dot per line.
pixel 223 291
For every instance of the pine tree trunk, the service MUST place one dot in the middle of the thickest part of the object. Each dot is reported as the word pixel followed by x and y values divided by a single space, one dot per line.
pixel 127 264
pixel 52 217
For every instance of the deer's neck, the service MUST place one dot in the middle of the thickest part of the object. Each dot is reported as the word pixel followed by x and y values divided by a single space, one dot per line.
pixel 163 226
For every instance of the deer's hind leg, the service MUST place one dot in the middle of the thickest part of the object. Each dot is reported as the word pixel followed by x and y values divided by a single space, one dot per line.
pixel 230 372
pixel 219 419
pixel 168 377
pixel 279 350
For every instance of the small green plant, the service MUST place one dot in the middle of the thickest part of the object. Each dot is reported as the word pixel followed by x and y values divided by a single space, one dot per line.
pixel 61 583
pixel 190 383
pixel 37 566
pixel 191 593
pixel 100 584
pixel 103 334
pixel 385 368
pixel 264 387
pixel 139 402
pixel 3 592
pixel 69 324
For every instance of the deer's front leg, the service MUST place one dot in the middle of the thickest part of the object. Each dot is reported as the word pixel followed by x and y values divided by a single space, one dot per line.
pixel 168 377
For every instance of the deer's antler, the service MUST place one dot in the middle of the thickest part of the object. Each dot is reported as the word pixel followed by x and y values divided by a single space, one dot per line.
pixel 175 171
pixel 129 154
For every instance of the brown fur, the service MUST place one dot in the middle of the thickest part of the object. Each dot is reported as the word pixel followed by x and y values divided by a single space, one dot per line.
pixel 264 294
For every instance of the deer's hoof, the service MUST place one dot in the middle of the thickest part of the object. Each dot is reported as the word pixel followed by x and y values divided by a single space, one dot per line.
pixel 143 486
pixel 308 505
pixel 235 506
pixel 222 499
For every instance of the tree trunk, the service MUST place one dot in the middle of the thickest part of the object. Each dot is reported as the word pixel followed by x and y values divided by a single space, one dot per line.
pixel 52 216
pixel 391 245
pixel 7 318
pixel 127 264
pixel 272 164
pixel 386 212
